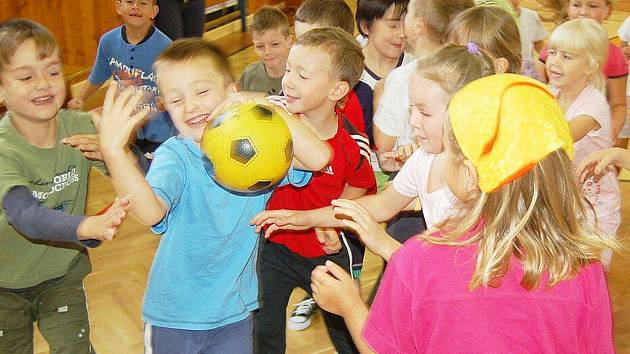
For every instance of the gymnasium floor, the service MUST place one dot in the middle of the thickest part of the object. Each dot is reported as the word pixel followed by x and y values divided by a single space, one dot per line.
pixel 116 285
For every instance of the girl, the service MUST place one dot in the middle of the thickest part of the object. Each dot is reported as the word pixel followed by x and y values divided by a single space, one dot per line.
pixel 519 271
pixel 616 67
pixel 577 53
pixel 380 21
pixel 425 27
pixel 491 28
pixel 435 80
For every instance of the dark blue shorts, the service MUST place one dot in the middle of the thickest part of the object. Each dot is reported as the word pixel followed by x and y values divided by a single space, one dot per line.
pixel 235 337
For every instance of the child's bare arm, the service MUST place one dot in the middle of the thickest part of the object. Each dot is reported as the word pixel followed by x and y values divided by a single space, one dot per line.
pixel 88 90
pixel 581 125
pixel 115 129
pixel 309 151
pixel 382 206
pixel 599 162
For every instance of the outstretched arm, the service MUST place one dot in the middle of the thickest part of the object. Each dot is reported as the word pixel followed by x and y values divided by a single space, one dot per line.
pixel 116 127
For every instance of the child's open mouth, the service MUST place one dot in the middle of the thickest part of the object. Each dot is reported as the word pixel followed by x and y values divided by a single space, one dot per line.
pixel 43 100
pixel 198 121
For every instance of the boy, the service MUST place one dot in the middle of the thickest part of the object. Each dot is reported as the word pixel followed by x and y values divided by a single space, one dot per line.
pixel 322 67
pixel 203 286
pixel 43 191
pixel 272 41
pixel 332 13
pixel 127 54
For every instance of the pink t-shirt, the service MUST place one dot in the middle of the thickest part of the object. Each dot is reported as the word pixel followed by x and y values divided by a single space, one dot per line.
pixel 423 305
pixel 616 63
pixel 604 194
pixel 411 181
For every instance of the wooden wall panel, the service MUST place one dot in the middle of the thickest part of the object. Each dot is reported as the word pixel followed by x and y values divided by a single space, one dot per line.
pixel 77 24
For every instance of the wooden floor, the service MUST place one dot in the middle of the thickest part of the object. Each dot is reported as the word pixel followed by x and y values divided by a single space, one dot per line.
pixel 116 285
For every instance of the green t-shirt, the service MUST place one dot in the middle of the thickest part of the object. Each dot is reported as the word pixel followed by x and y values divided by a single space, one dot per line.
pixel 58 178
pixel 255 78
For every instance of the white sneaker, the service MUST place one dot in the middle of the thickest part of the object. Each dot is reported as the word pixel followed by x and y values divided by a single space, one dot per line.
pixel 301 317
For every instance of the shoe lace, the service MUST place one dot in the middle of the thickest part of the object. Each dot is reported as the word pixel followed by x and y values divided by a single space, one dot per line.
pixel 304 307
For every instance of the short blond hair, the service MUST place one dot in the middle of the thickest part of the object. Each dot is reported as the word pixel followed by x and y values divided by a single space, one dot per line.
pixel 270 18
pixel 326 13
pixel 492 29
pixel 585 38
pixel 189 50
pixel 346 56
pixel 436 15
pixel 17 31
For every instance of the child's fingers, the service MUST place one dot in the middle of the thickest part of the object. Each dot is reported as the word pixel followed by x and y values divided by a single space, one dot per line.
pixel 336 271
pixel 140 116
pixel 354 226
pixel 270 230
pixel 108 102
pixel 80 139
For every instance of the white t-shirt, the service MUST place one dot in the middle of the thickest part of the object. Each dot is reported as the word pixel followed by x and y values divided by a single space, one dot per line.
pixel 392 113
pixel 604 194
pixel 412 181
pixel 531 29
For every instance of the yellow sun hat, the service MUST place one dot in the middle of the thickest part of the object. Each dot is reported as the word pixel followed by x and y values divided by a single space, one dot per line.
pixel 505 124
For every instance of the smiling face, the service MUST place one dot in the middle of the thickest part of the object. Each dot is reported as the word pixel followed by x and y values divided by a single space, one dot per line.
pixel 137 13
pixel 272 47
pixel 191 90
pixel 32 89
pixel 307 82
pixel 566 69
pixel 597 10
pixel 386 35
pixel 428 113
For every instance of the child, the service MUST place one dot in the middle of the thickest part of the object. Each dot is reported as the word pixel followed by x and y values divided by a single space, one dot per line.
pixel 437 77
pixel 272 41
pixel 43 191
pixel 127 54
pixel 333 13
pixel 202 287
pixel 532 36
pixel 600 162
pixel 322 67
pixel 380 21
pixel 616 67
pixel 577 52
pixel 518 270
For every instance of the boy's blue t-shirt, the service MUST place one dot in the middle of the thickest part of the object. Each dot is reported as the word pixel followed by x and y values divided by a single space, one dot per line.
pixel 132 65
pixel 204 272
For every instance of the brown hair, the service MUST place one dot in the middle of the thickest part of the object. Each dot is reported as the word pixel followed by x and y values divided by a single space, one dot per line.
pixel 196 49
pixel 454 66
pixel 437 14
pixel 270 18
pixel 17 31
pixel 492 29
pixel 559 9
pixel 331 13
pixel 346 56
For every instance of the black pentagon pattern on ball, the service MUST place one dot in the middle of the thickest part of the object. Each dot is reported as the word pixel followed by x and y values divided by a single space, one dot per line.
pixel 261 112
pixel 208 166
pixel 259 186
pixel 242 150
pixel 288 151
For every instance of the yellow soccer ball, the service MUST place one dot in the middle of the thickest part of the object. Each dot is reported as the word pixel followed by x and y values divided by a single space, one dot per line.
pixel 248 148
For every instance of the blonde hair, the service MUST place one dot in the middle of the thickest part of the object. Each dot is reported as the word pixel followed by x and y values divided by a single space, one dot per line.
pixel 585 38
pixel 492 29
pixel 326 13
pixel 346 56
pixel 437 14
pixel 17 31
pixel 454 66
pixel 189 50
pixel 540 218
pixel 270 18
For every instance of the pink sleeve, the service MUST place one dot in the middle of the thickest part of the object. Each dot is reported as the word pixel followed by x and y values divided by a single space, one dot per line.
pixel 389 326
pixel 617 64
pixel 406 181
